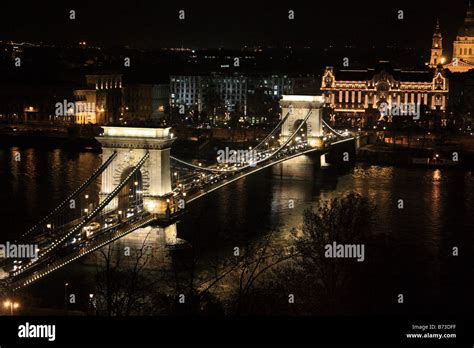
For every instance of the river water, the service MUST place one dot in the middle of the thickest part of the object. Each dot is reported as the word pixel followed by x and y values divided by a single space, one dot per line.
pixel 438 215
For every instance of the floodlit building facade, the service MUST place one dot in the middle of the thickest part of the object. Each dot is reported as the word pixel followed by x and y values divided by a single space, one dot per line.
pixel 463 45
pixel 359 94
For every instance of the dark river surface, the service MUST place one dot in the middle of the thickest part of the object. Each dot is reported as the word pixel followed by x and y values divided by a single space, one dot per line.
pixel 438 214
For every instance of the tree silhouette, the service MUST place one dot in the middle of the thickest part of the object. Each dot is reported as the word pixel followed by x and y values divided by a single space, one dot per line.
pixel 326 280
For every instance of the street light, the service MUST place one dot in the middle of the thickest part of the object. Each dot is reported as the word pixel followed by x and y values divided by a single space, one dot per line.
pixel 12 305
pixel 92 301
pixel 65 295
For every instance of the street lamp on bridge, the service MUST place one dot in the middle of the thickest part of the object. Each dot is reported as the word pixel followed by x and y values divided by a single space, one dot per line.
pixel 65 295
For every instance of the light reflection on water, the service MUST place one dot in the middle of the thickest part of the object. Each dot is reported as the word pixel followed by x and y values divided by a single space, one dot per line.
pixel 438 209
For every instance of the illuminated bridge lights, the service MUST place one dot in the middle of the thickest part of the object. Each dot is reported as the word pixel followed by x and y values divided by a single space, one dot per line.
pixel 100 207
pixel 81 253
pixel 208 182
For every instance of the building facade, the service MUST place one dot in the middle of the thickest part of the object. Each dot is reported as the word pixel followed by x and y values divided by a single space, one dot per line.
pixel 197 92
pixel 144 102
pixel 463 45
pixel 358 94
pixel 100 101
pixel 106 101
pixel 109 95
pixel 86 106
pixel 187 91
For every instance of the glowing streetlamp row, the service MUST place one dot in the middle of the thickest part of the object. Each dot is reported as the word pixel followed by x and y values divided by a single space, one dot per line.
pixel 82 253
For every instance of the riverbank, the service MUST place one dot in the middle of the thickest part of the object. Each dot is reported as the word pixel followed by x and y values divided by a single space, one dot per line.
pixel 423 150
pixel 79 138
pixel 191 141
pixel 384 154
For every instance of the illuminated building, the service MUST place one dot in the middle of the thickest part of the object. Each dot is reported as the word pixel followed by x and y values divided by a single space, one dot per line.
pixel 100 101
pixel 436 48
pixel 105 100
pixel 192 91
pixel 85 101
pixel 232 90
pixel 463 45
pixel 358 94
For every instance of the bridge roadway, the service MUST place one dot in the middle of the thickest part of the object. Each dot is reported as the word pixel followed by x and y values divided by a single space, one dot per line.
pixel 215 180
pixel 102 237
pixel 230 177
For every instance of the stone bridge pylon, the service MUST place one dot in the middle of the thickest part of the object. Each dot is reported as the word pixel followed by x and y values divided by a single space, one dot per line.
pixel 131 145
pixel 298 107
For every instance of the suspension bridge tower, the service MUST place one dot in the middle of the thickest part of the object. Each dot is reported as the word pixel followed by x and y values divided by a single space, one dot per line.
pixel 300 108
pixel 131 145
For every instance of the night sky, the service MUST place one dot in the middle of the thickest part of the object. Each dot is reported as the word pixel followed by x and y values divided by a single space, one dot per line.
pixel 231 24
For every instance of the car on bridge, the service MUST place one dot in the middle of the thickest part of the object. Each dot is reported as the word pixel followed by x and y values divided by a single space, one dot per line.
pixel 111 219
pixel 90 229
pixel 74 240
pixel 133 210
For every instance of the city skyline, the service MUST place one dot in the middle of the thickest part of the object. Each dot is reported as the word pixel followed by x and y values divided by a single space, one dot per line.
pixel 249 24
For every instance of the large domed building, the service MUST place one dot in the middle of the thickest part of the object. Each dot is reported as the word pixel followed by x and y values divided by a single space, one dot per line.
pixel 463 46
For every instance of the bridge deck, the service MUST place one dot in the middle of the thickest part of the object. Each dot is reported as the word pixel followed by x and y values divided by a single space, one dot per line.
pixel 94 245
pixel 247 172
